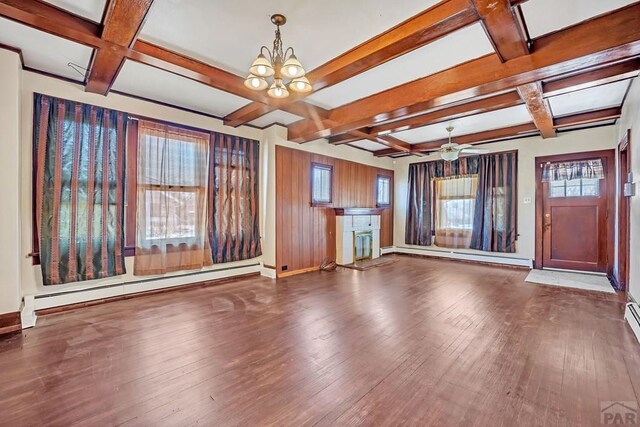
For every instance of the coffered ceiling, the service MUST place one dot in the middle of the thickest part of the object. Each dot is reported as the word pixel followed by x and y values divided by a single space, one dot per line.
pixel 389 77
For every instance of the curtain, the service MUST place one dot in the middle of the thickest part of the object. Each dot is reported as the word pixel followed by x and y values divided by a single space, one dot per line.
pixel 233 200
pixel 79 160
pixel 418 228
pixel 567 171
pixel 455 200
pixel 171 230
pixel 418 222
pixel 494 225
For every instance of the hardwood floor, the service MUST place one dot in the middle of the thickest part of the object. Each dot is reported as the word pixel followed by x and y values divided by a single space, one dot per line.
pixel 423 342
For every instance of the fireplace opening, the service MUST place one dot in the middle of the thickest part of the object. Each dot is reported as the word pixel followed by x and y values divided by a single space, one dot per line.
pixel 362 245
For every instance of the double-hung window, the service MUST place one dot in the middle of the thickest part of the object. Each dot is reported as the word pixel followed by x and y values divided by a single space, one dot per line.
pixel 321 184
pixel 455 200
pixel 383 191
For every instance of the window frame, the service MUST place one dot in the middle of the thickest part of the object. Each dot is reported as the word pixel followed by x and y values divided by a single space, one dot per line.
pixel 389 192
pixel 434 205
pixel 321 203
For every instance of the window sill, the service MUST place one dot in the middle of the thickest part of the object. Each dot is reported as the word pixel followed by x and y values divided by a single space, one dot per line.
pixel 321 204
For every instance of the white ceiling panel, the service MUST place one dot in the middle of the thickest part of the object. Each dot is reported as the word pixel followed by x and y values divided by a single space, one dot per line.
pixel 472 124
pixel 43 51
pixel 368 145
pixel 228 34
pixel 545 16
pixel 588 125
pixel 152 83
pixel 610 95
pixel 463 45
pixel 90 9
pixel 277 116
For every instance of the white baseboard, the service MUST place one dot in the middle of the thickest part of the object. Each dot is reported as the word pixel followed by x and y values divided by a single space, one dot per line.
pixel 268 272
pixel 632 316
pixel 494 259
pixel 28 313
pixel 43 301
pixel 388 250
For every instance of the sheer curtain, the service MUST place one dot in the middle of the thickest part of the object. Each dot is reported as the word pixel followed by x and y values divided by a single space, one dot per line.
pixel 455 200
pixel 172 190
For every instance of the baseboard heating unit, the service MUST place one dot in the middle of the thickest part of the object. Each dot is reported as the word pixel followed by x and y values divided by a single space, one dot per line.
pixel 632 316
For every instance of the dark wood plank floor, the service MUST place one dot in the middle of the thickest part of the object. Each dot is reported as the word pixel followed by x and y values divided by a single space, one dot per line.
pixel 421 342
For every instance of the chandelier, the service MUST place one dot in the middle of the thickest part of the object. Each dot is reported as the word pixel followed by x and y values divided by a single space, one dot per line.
pixel 280 65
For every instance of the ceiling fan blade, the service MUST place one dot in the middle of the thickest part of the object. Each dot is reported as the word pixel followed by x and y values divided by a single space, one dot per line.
pixel 474 151
pixel 463 146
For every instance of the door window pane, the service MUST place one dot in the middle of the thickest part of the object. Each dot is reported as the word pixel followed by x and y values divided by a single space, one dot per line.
pixel 581 187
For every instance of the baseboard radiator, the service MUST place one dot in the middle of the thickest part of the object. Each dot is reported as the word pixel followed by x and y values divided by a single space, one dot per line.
pixel 632 316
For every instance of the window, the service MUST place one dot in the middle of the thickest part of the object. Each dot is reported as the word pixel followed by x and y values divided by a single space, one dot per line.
pixel 581 187
pixel 455 200
pixel 383 197
pixel 321 184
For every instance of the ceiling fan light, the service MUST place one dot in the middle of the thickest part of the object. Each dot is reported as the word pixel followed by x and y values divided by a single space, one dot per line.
pixel 449 156
pixel 300 85
pixel 292 68
pixel 278 90
pixel 262 67
pixel 255 82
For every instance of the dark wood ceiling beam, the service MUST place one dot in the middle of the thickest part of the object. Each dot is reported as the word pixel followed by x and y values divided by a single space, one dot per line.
pixel 49 19
pixel 352 136
pixel 479 106
pixel 503 28
pixel 429 25
pixel 52 20
pixel 588 117
pixel 605 39
pixel 613 73
pixel 122 23
pixel 538 107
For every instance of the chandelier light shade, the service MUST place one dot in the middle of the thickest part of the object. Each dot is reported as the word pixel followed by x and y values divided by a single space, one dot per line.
pixel 279 64
pixel 300 85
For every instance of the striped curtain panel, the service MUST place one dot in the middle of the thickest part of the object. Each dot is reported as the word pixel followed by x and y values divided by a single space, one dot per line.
pixel 418 223
pixel 80 158
pixel 494 224
pixel 233 186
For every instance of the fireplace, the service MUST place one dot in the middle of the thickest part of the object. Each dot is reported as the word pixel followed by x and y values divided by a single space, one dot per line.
pixel 362 245
pixel 357 234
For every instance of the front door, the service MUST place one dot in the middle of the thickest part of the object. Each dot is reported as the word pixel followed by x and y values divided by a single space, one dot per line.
pixel 575 226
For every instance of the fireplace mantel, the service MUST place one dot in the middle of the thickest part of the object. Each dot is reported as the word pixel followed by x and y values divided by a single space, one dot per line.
pixel 357 211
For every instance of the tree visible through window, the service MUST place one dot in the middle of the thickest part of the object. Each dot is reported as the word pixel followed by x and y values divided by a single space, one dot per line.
pixel 321 183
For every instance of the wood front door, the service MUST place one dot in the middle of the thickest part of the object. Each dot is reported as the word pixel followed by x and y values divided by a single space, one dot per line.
pixel 575 223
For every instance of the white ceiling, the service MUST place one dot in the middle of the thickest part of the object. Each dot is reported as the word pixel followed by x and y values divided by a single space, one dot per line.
pixel 368 145
pixel 430 59
pixel 43 51
pixel 609 95
pixel 277 116
pixel 152 83
pixel 545 16
pixel 90 9
pixel 228 34
pixel 472 124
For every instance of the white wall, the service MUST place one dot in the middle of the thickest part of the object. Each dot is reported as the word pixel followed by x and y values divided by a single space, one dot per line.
pixel 631 120
pixel 10 73
pixel 528 149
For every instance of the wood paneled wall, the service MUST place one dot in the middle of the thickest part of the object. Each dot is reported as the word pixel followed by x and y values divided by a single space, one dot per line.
pixel 305 235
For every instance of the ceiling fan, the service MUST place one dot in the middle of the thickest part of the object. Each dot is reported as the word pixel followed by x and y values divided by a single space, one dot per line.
pixel 451 151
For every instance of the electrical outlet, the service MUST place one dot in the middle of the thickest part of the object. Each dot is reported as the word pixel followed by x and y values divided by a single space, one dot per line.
pixel 285 267
pixel 526 200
